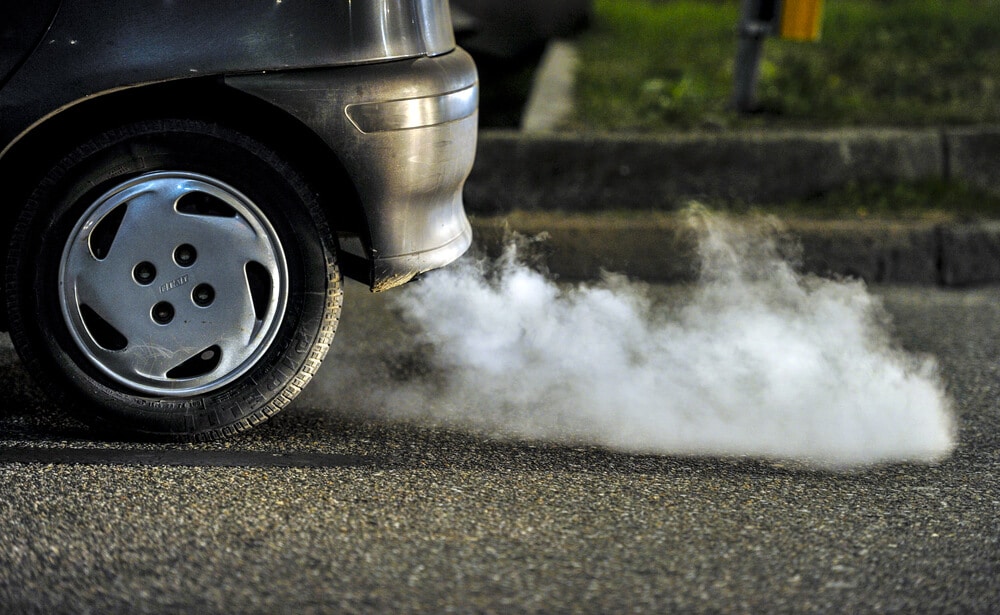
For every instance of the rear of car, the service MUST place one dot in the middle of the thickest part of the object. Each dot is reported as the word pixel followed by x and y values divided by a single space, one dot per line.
pixel 186 181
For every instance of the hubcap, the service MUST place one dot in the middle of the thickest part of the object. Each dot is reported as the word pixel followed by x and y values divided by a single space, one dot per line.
pixel 173 284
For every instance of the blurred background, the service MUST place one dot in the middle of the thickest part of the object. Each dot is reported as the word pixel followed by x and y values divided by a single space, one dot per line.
pixel 668 64
pixel 661 67
pixel 508 40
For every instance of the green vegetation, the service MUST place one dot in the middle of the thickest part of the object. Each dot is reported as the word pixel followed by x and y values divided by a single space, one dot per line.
pixel 929 200
pixel 667 64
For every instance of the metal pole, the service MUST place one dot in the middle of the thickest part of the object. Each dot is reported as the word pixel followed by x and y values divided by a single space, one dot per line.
pixel 756 22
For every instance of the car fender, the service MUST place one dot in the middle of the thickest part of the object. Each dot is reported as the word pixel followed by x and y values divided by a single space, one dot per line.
pixel 84 53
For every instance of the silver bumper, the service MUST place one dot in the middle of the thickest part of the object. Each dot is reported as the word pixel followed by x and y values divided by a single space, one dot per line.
pixel 405 131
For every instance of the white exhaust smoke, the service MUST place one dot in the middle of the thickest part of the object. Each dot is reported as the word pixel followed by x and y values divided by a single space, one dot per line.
pixel 755 359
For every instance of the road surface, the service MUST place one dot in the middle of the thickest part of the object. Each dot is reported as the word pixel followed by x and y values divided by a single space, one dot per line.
pixel 322 511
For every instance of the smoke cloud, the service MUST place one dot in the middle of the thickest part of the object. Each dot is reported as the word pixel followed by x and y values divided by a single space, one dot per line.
pixel 755 359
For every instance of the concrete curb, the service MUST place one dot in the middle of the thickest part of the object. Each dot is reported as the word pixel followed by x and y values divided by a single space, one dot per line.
pixel 663 249
pixel 586 172
pixel 570 179
pixel 551 100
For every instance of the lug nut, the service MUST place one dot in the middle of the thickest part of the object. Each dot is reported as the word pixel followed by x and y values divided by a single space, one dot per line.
pixel 163 313
pixel 203 295
pixel 144 273
pixel 185 255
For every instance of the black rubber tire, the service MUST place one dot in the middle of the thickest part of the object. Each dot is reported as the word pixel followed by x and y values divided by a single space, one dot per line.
pixel 39 329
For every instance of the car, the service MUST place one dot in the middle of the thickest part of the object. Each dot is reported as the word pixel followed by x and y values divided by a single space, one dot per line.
pixel 186 183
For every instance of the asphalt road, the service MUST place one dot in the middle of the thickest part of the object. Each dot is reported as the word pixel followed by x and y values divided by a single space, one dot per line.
pixel 319 511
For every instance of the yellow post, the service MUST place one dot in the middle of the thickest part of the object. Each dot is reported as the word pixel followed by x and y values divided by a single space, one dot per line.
pixel 800 19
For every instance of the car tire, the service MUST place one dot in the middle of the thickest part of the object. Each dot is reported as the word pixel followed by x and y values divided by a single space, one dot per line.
pixel 173 279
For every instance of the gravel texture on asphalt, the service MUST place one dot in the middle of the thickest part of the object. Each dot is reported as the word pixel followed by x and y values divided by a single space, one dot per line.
pixel 376 516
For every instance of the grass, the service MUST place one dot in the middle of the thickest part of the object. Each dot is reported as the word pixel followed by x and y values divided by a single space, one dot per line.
pixel 668 64
pixel 936 201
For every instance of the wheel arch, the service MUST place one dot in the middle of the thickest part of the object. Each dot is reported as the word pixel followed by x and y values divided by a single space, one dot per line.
pixel 206 99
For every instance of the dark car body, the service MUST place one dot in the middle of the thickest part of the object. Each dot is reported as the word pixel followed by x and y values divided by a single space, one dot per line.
pixel 185 182
pixel 366 84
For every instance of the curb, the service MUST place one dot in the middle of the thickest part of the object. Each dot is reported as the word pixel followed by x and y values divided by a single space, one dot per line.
pixel 569 181
pixel 589 172
pixel 662 248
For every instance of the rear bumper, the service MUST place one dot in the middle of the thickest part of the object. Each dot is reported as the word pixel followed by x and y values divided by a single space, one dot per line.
pixel 405 131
